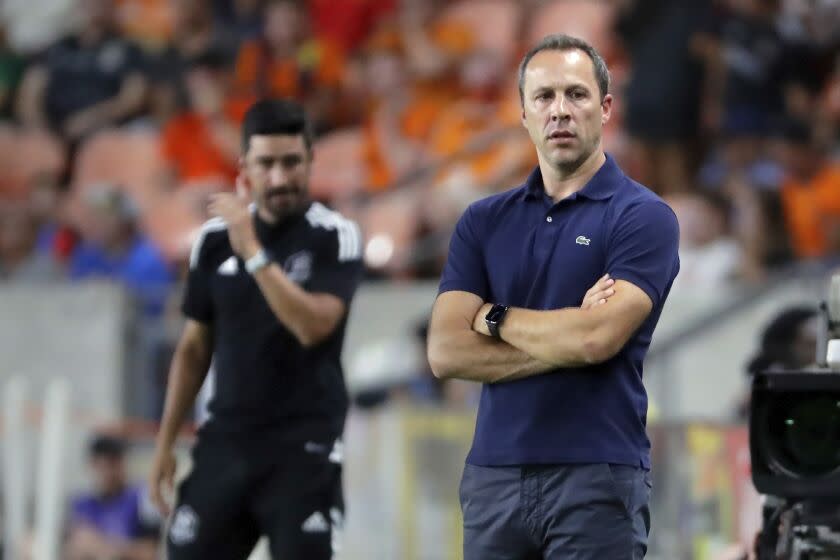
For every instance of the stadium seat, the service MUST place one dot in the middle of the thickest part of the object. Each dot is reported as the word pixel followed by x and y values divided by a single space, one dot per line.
pixel 128 159
pixel 172 222
pixel 337 169
pixel 25 154
pixel 590 20
pixel 500 16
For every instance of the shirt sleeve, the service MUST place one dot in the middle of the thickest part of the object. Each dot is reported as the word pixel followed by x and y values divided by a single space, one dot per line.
pixel 644 247
pixel 80 511
pixel 198 303
pixel 465 270
pixel 338 266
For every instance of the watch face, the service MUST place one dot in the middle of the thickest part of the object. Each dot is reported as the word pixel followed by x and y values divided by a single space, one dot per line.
pixel 496 313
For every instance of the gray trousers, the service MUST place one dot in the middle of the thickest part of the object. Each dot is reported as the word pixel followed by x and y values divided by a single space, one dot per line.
pixel 558 512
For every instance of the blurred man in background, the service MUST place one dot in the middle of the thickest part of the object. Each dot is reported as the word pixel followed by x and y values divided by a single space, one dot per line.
pixel 114 248
pixel 115 521
pixel 201 143
pixel 195 33
pixel 810 191
pixel 710 257
pixel 87 81
pixel 267 298
pixel 289 61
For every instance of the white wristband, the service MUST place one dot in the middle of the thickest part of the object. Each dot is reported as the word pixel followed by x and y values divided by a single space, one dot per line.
pixel 257 262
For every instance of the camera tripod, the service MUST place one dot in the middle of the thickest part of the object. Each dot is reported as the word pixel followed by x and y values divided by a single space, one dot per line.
pixel 800 530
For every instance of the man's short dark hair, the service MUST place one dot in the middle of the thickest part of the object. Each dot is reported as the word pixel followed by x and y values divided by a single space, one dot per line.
pixel 276 116
pixel 561 42
pixel 106 446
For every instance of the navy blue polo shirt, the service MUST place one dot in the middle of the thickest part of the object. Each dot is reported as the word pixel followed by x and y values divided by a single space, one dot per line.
pixel 520 248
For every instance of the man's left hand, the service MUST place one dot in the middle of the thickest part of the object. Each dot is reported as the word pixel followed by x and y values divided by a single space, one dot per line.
pixel 233 209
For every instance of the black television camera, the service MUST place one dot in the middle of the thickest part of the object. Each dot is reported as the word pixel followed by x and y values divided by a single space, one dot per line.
pixel 795 451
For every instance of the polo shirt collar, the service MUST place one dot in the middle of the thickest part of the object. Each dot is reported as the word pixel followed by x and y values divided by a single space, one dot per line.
pixel 601 186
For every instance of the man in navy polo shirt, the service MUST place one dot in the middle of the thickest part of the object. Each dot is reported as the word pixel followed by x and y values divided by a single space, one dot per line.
pixel 559 467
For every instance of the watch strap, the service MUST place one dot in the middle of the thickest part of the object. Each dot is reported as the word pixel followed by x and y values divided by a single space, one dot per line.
pixel 257 262
pixel 494 319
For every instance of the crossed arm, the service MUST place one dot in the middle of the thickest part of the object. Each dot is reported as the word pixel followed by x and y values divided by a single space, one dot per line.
pixel 533 342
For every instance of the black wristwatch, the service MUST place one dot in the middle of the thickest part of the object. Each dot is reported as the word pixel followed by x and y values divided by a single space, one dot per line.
pixel 495 317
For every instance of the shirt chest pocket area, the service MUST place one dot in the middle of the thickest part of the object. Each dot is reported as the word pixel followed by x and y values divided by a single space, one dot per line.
pixel 548 272
pixel 576 264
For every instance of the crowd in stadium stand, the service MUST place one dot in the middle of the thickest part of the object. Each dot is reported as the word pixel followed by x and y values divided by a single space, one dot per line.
pixel 120 117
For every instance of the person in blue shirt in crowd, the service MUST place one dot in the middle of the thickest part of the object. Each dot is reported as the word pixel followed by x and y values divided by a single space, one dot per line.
pixel 116 520
pixel 114 248
pixel 559 466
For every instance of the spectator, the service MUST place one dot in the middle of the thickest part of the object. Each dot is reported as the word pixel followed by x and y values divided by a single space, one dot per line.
pixel 114 248
pixel 434 48
pixel 477 128
pixel 195 33
pixel 478 140
pixel 399 119
pixel 113 522
pixel 749 67
pixel 288 61
pixel 810 193
pixel 812 29
pixel 20 262
pixel 758 225
pixel 11 71
pixel 201 144
pixel 710 256
pixel 87 81
pixel 664 86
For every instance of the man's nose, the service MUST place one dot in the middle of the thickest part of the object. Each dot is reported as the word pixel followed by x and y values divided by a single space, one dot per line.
pixel 277 175
pixel 559 109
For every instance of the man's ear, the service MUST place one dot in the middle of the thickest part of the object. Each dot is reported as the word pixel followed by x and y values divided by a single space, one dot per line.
pixel 243 185
pixel 606 109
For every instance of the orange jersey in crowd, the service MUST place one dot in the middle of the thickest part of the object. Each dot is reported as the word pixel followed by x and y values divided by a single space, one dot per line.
pixel 812 211
pixel 483 131
pixel 416 123
pixel 188 146
pixel 318 64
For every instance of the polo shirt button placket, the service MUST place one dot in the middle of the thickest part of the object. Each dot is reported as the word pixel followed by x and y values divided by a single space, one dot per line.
pixel 548 219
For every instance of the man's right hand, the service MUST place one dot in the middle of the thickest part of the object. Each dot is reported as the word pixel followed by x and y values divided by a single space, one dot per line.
pixel 599 293
pixel 162 475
